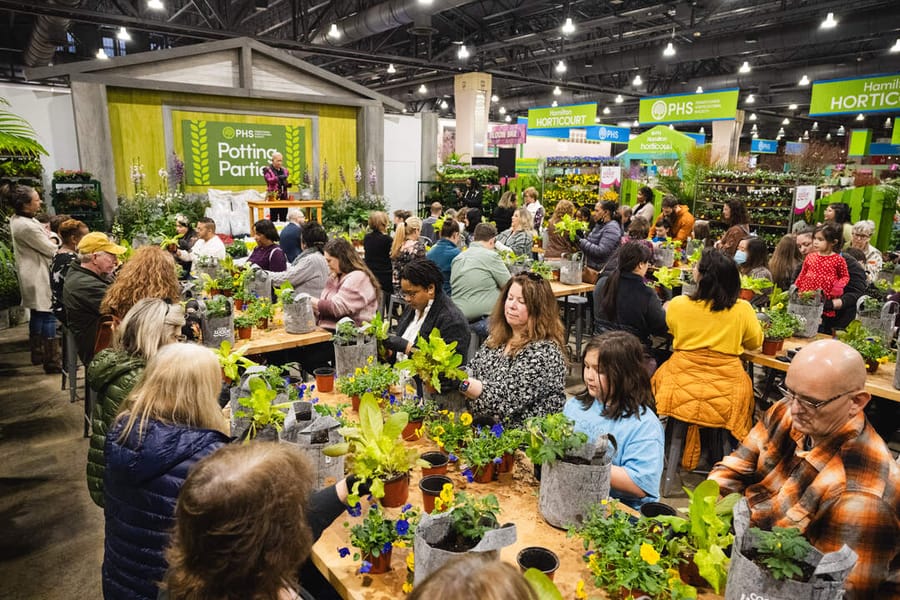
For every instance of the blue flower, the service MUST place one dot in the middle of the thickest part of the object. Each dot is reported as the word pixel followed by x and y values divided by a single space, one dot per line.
pixel 402 526
pixel 338 413
pixel 313 400
pixel 588 553
pixel 497 430
pixel 406 507
pixel 312 387
pixel 356 510
pixel 392 399
pixel 343 552
pixel 468 473
pixel 365 567
pixel 452 458
pixel 386 548
pixel 498 460
pixel 302 387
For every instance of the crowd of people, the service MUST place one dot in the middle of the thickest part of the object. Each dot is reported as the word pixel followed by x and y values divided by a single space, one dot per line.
pixel 175 489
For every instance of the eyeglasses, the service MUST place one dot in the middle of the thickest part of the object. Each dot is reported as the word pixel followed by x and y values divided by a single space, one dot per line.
pixel 791 395
pixel 862 235
pixel 409 293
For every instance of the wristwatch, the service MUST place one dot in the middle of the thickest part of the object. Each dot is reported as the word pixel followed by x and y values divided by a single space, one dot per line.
pixel 464 386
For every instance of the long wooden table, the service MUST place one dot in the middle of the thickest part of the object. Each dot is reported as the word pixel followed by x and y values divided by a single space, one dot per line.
pixel 880 383
pixel 258 208
pixel 518 503
pixel 564 289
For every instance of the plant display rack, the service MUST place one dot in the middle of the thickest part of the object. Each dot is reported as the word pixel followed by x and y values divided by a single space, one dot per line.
pixel 573 178
pixel 769 198
pixel 81 199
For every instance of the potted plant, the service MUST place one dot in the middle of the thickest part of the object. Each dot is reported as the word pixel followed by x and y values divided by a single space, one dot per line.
pixel 243 326
pixel 510 440
pixel 481 454
pixel 870 345
pixel 242 294
pixel 373 377
pixel 266 417
pixel 262 311
pixel 667 277
pixel 434 361
pixel 449 432
pixel 217 322
pixel 569 226
pixel 296 308
pixel 542 268
pixel 378 456
pixel 808 308
pixel 378 329
pixel 352 347
pixel 751 286
pixel 877 315
pixel 779 326
pixel 459 523
pixel 232 361
pixel 550 438
pixel 418 410
pixel 170 243
pixel 376 537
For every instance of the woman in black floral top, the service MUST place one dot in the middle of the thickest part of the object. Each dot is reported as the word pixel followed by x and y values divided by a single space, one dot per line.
pixel 520 371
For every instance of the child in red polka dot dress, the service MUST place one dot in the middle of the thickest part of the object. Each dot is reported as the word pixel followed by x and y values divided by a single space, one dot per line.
pixel 824 269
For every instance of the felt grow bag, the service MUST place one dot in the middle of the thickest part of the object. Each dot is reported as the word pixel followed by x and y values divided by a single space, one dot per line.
pixel 348 358
pixel 568 490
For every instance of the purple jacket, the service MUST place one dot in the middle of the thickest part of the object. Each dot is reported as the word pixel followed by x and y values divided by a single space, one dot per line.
pixel 276 181
pixel 352 295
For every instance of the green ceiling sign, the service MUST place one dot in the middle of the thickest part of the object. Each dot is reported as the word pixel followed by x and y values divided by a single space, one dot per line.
pixel 574 115
pixel 685 108
pixel 860 139
pixel 895 135
pixel 863 95
pixel 660 142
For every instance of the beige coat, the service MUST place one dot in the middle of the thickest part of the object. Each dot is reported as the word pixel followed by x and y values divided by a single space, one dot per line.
pixel 34 251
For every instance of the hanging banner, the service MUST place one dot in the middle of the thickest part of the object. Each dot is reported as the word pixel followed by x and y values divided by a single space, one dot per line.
pixel 231 150
pixel 608 133
pixel 610 176
pixel 804 198
pixel 758 146
pixel 884 149
pixel 527 166
pixel 574 115
pixel 859 142
pixel 862 95
pixel 507 135
pixel 659 142
pixel 895 136
pixel 686 108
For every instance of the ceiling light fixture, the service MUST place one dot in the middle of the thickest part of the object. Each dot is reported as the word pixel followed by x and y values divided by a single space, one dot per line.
pixel 669 50
pixel 637 80
pixel 557 91
pixel 422 89
pixel 751 98
pixel 841 131
pixel 101 54
pixel 896 47
pixel 507 118
pixel 828 137
pixel 444 105
pixel 780 131
pixel 502 110
pixel 702 130
pixel 803 80
pixel 786 121
pixel 806 134
pixel 123 35
pixel 495 98
pixel 754 128
pixel 699 89
pixel 752 116
pixel 829 22
pixel 334 33
pixel 596 119
pixel 568 27
pixel 888 123
pixel 754 134
pixel 792 106
pixel 425 2
pixel 155 5
pixel 636 123
pixel 554 104
pixel 815 126
pixel 561 66
pixel 619 99
pixel 860 117
pixel 462 53
pixel 606 110
pixel 745 67
pixel 391 69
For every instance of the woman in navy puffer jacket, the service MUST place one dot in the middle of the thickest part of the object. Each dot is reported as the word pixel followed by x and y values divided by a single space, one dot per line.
pixel 170 421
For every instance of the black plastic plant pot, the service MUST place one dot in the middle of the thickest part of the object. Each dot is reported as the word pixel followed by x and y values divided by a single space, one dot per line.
pixel 655 509
pixel 539 558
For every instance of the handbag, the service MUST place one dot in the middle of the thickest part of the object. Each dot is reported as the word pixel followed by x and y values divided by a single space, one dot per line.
pixel 589 275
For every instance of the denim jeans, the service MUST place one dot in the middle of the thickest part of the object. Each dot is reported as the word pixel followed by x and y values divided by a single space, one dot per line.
pixel 480 327
pixel 42 323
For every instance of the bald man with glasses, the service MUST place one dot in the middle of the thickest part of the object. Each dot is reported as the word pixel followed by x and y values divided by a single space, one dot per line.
pixel 815 463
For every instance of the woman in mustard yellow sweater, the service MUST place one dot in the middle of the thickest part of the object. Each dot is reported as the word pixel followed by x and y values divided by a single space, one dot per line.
pixel 704 382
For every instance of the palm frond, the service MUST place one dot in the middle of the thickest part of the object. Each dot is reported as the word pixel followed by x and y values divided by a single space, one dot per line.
pixel 17 136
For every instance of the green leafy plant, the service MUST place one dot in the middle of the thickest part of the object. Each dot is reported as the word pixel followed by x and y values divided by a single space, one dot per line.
pixel 374 377
pixel 262 308
pixel 470 517
pixel 285 294
pixel 377 328
pixel 376 450
pixel 262 412
pixel 243 321
pixel 781 325
pixel 217 307
pixel 483 448
pixel 417 408
pixel 542 268
pixel 570 226
pixel 170 241
pixel 552 437
pixel 232 361
pixel 781 551
pixel 346 333
pixel 237 249
pixel 868 344
pixel 510 438
pixel 449 431
pixel 755 284
pixel 668 277
pixel 778 298
pixel 810 297
pixel 17 136
pixel 434 359
pixel 377 535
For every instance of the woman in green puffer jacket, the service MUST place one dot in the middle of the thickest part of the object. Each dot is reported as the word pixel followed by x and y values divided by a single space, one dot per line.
pixel 149 325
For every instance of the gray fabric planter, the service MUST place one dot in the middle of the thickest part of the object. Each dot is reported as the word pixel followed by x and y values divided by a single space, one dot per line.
pixel 260 284
pixel 433 529
pixel 348 358
pixel 747 580
pixel 568 489
pixel 327 470
pixel 216 330
pixel 298 315
pixel 809 314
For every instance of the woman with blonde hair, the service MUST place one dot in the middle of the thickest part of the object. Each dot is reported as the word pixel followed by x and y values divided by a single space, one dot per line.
pixel 408 246
pixel 559 243
pixel 504 211
pixel 149 325
pixel 169 422
pixel 785 261
pixel 519 238
pixel 520 371
pixel 149 273
pixel 472 576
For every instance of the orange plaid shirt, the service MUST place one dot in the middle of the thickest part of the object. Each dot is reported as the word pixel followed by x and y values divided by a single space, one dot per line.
pixel 843 491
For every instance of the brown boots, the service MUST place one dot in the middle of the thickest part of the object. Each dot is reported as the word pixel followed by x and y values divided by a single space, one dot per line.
pixel 52 348
pixel 37 350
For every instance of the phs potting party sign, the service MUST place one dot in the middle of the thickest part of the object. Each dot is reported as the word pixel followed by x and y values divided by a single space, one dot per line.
pixel 860 95
pixel 232 150
pixel 685 108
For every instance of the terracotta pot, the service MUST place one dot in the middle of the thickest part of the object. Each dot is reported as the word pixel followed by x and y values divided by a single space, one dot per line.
pixel 244 332
pixel 262 324
pixel 354 402
pixel 554 275
pixel 746 295
pixel 438 461
pixel 507 463
pixel 381 563
pixel 412 431
pixel 228 293
pixel 214 292
pixel 780 345
pixel 431 487
pixel 872 366
pixel 324 379
pixel 770 347
pixel 542 559
pixel 238 304
pixel 484 473
pixel 396 491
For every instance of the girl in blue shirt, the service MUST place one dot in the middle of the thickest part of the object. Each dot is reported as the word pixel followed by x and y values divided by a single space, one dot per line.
pixel 619 401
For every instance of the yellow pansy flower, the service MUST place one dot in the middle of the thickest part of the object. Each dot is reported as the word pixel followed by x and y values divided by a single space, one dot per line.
pixel 579 590
pixel 400 544
pixel 465 418
pixel 411 562
pixel 439 430
pixel 649 554
pixel 370 359
pixel 447 493
pixel 407 587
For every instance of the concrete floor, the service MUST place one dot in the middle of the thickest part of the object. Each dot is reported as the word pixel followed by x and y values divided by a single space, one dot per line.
pixel 51 534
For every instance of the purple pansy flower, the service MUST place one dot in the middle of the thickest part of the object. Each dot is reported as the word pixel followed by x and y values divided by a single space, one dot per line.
pixel 468 474
pixel 343 552
pixel 355 510
pixel 498 460
pixel 406 507
pixel 497 430
pixel 452 457
pixel 402 526
pixel 386 548
pixel 365 567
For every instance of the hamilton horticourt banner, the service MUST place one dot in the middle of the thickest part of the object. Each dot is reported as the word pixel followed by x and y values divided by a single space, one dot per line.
pixel 717 105
pixel 878 93
pixel 230 152
pixel 573 115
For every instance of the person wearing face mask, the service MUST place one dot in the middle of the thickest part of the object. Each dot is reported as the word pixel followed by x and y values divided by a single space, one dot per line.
pixel 618 400
pixel 605 238
pixel 752 259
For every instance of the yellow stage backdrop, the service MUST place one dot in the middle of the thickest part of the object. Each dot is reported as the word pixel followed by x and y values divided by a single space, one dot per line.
pixel 138 132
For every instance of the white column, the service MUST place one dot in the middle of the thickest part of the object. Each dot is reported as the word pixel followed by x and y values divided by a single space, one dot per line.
pixel 472 95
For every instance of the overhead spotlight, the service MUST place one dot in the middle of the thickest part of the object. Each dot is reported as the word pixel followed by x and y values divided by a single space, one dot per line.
pixel 637 80
pixel 596 119
pixel 554 104
pixel 803 80
pixel 751 98
pixel 887 123
pixel 507 118
pixel 334 33
pixel 423 90
pixel 792 106
pixel 101 54
pixel 860 117
pixel 561 66
pixel 619 99
pixel 557 91
pixel 786 121
pixel 636 123
pixel 896 47
pixel 155 5
pixel 494 98
pixel 841 131
pixel 425 2
pixel 403 110
pixel 671 126
pixel 462 53
pixel 444 105
pixel 828 137
pixel 606 110
pixel 781 131
pixel 699 89
pixel 123 35
pixel 568 27
pixel 806 134
pixel 815 126
pixel 754 128
pixel 745 68
pixel 669 50
pixel 391 69
pixel 502 110
pixel 754 134
pixel 752 116
pixel 702 130
pixel 829 22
